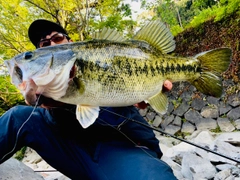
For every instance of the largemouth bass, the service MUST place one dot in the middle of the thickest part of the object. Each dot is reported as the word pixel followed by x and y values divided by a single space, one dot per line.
pixel 112 71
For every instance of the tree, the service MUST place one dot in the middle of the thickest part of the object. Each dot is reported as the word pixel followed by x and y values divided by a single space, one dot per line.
pixel 168 11
pixel 80 18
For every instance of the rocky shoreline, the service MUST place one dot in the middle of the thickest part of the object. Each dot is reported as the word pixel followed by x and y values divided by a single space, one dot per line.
pixel 190 110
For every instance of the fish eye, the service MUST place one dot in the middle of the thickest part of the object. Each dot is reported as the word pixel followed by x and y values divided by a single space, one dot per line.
pixel 28 55
pixel 18 72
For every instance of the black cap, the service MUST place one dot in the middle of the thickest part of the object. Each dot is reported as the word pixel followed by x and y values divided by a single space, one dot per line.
pixel 42 27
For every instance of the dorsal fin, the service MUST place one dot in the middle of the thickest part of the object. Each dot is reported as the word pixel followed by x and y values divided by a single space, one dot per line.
pixel 157 35
pixel 109 34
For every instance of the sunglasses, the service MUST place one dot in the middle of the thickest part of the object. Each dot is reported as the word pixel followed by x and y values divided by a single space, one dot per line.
pixel 56 38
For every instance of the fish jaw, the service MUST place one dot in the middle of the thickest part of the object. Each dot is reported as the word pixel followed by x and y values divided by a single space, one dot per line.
pixel 29 89
pixel 43 71
pixel 49 84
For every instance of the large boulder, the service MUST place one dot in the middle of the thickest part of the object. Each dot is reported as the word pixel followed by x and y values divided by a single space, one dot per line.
pixel 16 170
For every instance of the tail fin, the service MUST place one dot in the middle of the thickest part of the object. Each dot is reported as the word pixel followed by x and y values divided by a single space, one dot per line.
pixel 213 63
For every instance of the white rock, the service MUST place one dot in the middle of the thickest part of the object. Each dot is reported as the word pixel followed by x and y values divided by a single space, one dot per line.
pixel 13 169
pixel 157 121
pixel 231 137
pixel 179 149
pixel 175 167
pixel 226 149
pixel 204 138
pixel 195 167
pixel 225 174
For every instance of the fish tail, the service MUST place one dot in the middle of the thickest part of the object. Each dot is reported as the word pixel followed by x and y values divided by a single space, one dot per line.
pixel 213 63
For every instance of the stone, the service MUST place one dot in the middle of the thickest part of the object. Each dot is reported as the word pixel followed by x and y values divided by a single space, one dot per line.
pixel 186 96
pixel 224 108
pixel 230 137
pixel 197 104
pixel 192 88
pixel 192 116
pixel 234 170
pixel 187 127
pixel 56 176
pixel 13 169
pixel 234 100
pixel 172 129
pixel 195 167
pixel 179 149
pixel 177 121
pixel 170 108
pixel 225 125
pixel 184 106
pixel 212 100
pixel 210 111
pixel 33 160
pixel 150 115
pixel 175 167
pixel 225 174
pixel 234 113
pixel 237 124
pixel 167 121
pixel 157 121
pixel 206 124
pixel 225 149
pixel 203 138
pixel 143 112
pixel 168 141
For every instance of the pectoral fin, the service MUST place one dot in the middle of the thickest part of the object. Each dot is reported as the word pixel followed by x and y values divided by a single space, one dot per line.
pixel 87 115
pixel 159 102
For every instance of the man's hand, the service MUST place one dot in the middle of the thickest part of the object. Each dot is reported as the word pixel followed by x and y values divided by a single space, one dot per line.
pixel 167 86
pixel 45 102
pixel 48 102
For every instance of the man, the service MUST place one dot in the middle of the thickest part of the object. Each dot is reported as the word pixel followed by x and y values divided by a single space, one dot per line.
pixel 111 148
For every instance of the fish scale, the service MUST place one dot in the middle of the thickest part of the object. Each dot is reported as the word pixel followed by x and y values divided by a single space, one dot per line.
pixel 114 71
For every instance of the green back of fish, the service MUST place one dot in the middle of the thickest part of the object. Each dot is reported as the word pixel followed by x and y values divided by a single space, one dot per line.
pixel 142 64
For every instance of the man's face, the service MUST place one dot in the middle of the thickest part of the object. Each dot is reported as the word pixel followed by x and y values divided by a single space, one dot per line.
pixel 53 39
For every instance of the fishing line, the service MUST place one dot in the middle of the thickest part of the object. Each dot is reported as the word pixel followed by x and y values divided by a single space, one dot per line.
pixel 18 132
pixel 175 137
pixel 118 129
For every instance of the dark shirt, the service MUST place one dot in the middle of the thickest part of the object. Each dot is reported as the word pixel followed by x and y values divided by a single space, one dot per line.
pixel 111 125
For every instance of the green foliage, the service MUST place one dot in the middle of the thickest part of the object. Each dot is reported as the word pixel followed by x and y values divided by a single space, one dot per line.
pixel 227 7
pixel 177 102
pixel 19 155
pixel 188 13
pixel 217 12
pixel 216 130
pixel 205 15
pixel 167 12
pixel 80 18
pixel 9 95
pixel 176 30
pixel 182 134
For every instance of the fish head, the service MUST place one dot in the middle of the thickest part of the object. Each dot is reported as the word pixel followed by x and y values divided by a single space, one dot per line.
pixel 43 71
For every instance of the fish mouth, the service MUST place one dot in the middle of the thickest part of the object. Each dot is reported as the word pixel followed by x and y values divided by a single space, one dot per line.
pixel 73 71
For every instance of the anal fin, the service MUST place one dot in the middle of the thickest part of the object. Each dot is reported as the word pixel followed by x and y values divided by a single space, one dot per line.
pixel 87 115
pixel 159 102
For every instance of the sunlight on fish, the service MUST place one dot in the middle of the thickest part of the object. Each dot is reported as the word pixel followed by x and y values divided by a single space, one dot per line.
pixel 113 71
